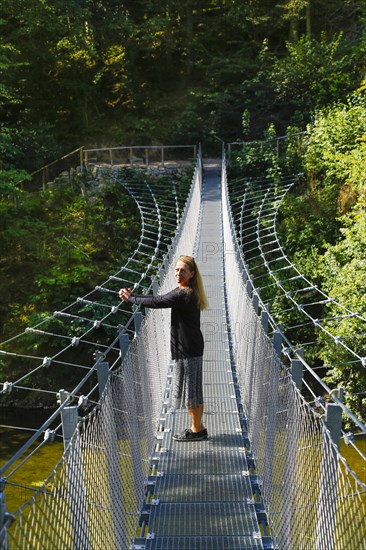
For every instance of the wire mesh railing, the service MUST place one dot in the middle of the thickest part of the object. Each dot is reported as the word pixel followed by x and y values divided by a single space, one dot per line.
pixel 109 433
pixel 312 497
pixel 312 318
pixel 277 145
pixel 138 155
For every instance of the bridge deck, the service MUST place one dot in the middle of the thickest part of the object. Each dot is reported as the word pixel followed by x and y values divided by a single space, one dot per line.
pixel 203 497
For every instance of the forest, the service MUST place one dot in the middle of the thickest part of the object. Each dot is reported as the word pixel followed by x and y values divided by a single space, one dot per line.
pixel 141 72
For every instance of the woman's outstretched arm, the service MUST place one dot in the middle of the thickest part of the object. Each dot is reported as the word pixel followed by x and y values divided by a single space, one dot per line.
pixel 171 299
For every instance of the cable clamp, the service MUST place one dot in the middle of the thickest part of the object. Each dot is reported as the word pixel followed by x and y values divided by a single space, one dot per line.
pixel 75 341
pixel 49 435
pixel 46 362
pixel 7 387
pixel 83 401
pixel 348 438
pixel 319 401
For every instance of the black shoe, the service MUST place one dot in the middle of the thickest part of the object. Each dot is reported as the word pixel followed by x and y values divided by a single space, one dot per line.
pixel 188 435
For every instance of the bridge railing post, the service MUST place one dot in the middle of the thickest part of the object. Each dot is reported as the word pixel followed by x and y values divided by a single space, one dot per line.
pixel 264 320
pixel 124 341
pixel 103 375
pixel 277 342
pixel 329 476
pixel 296 370
pixel 137 320
pixel 249 288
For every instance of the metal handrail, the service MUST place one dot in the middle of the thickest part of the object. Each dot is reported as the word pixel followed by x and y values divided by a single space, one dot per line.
pixel 262 142
pixel 130 149
pixel 45 169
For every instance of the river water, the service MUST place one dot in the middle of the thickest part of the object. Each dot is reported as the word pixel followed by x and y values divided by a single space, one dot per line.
pixel 23 483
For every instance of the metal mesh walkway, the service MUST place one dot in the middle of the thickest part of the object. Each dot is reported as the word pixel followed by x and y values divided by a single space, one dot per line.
pixel 202 492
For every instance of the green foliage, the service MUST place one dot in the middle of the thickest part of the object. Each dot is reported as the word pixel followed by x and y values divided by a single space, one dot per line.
pixel 56 245
pixel 314 73
pixel 345 276
pixel 9 175
pixel 308 221
pixel 74 72
pixel 334 161
pixel 335 137
pixel 324 229
pixel 259 158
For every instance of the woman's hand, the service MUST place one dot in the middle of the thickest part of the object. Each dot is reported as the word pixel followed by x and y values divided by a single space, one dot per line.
pixel 125 293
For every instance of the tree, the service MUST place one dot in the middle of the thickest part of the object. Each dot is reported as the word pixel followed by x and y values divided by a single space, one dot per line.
pixel 325 231
pixel 315 73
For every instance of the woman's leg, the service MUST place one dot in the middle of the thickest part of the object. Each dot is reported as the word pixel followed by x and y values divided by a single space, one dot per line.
pixel 196 416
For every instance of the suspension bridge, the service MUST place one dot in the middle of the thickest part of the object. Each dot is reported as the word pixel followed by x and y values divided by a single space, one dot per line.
pixel 270 475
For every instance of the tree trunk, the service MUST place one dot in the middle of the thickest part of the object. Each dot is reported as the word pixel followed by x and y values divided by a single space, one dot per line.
pixel 308 20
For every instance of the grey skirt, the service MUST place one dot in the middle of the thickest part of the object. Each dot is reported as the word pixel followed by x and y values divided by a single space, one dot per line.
pixel 187 390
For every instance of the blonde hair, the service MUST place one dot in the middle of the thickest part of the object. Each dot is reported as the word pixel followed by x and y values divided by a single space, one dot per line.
pixel 196 283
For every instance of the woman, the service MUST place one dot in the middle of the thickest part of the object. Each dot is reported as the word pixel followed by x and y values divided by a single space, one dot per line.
pixel 186 341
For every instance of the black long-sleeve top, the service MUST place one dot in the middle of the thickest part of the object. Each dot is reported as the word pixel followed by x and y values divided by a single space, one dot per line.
pixel 186 338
